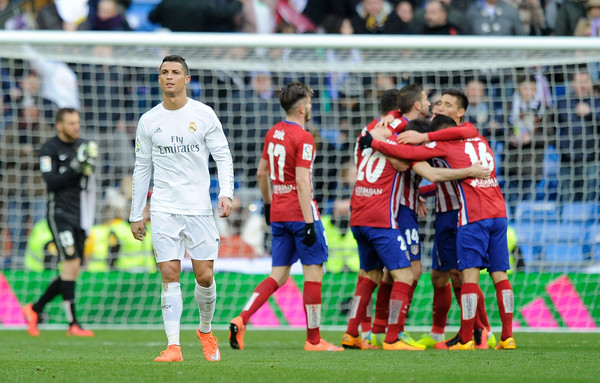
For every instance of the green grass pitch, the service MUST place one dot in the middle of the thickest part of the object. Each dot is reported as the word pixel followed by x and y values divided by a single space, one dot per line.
pixel 277 356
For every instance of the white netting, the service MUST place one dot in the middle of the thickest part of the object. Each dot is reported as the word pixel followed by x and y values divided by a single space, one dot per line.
pixel 112 79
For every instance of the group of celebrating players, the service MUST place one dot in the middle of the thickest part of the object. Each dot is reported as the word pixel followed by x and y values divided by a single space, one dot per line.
pixel 393 153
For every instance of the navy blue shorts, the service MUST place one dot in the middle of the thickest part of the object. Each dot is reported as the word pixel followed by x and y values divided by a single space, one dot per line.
pixel 483 244
pixel 287 245
pixel 408 224
pixel 443 254
pixel 379 247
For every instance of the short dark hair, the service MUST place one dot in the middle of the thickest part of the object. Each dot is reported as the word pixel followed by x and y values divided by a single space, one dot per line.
pixel 462 100
pixel 389 101
pixel 176 59
pixel 60 115
pixel 408 96
pixel 526 77
pixel 441 121
pixel 292 93
pixel 420 125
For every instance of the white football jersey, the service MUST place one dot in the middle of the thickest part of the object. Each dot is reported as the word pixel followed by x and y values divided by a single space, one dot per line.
pixel 177 143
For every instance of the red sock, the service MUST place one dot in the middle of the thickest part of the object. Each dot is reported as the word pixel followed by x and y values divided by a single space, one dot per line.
pixel 442 301
pixel 312 308
pixel 365 323
pixel 261 293
pixel 412 292
pixel 382 308
pixel 506 304
pixel 398 309
pixel 481 319
pixel 362 298
pixel 468 298
pixel 457 294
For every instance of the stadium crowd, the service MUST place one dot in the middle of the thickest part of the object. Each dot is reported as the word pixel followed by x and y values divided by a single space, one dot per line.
pixel 530 115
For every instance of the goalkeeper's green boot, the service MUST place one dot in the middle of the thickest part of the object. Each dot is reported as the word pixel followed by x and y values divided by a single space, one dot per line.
pixel 403 336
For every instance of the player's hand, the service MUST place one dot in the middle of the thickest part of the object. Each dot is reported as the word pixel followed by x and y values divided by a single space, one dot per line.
pixel 478 170
pixel 225 206
pixel 366 140
pixel 412 137
pixel 267 208
pixel 88 167
pixel 138 230
pixel 421 207
pixel 310 236
pixel 385 121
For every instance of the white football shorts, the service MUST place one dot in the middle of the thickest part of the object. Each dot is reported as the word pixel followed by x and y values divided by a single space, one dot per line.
pixel 174 234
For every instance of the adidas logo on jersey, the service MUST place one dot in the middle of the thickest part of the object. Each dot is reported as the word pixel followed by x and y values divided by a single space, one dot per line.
pixel 158 130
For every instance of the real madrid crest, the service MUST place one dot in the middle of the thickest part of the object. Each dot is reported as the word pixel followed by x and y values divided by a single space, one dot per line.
pixel 192 127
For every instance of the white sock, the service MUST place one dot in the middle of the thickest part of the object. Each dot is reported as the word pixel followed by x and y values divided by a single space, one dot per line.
pixel 206 297
pixel 436 337
pixel 172 306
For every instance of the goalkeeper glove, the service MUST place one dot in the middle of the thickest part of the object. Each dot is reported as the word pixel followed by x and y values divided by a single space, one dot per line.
pixel 86 151
pixel 365 141
pixel 84 163
pixel 267 208
pixel 310 236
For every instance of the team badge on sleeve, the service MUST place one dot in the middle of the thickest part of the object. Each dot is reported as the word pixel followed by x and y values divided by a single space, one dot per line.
pixel 307 152
pixel 138 145
pixel 45 164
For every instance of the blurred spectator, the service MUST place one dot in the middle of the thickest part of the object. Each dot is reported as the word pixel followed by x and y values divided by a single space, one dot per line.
pixel 41 252
pixel 568 16
pixel 68 15
pixel 589 25
pixel 14 18
pixel 436 20
pixel 578 140
pixel 318 10
pixel 531 14
pixel 551 8
pixel 405 11
pixel 341 84
pixel 480 111
pixel 22 186
pixel 528 137
pixel 255 112
pixel 193 16
pixel 242 235
pixel 343 249
pixel 494 18
pixel 290 11
pixel 455 17
pixel 377 17
pixel 111 245
pixel 257 16
pixel 109 17
pixel 58 81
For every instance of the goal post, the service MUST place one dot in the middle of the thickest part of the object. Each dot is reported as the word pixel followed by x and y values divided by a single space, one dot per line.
pixel 111 78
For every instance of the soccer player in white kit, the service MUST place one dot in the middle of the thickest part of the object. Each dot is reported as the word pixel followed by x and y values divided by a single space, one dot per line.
pixel 176 138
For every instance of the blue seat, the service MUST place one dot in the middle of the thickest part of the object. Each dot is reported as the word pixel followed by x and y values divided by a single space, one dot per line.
pixel 580 212
pixel 137 15
pixel 565 232
pixel 538 211
pixel 592 241
pixel 563 252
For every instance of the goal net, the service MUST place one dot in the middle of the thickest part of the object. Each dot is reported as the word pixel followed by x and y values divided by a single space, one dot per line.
pixel 537 101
